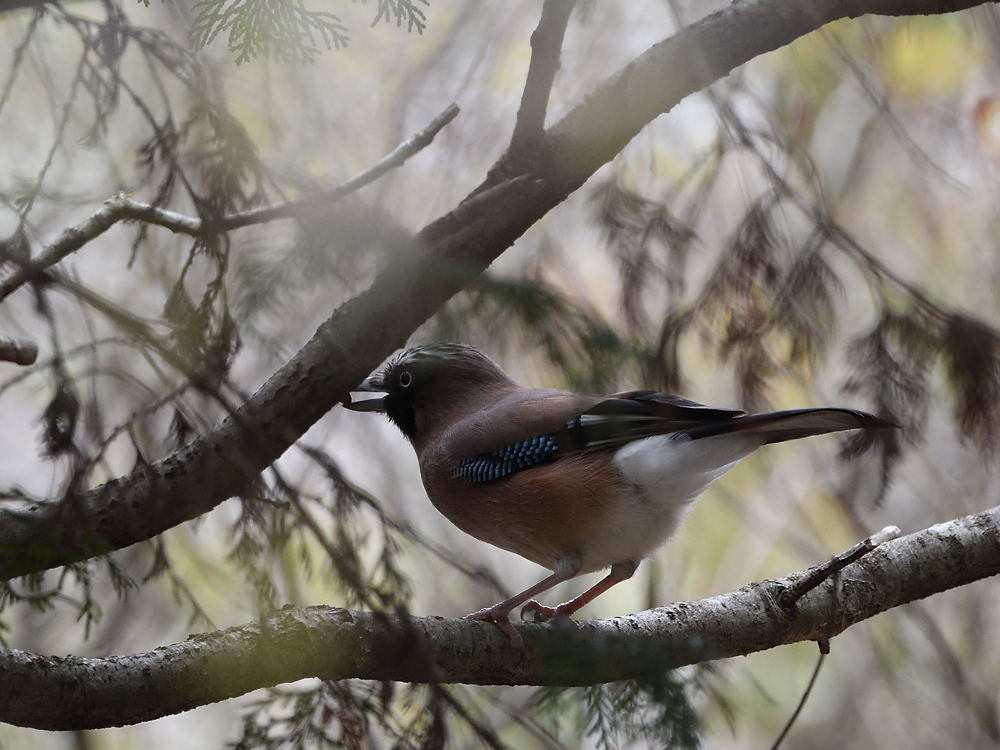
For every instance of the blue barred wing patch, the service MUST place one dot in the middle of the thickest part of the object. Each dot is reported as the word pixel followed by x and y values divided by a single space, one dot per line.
pixel 487 467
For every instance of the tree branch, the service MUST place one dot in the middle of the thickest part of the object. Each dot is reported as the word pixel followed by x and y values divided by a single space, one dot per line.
pixel 18 351
pixel 546 45
pixel 324 197
pixel 444 257
pixel 331 643
pixel 819 573
pixel 6 6
pixel 124 208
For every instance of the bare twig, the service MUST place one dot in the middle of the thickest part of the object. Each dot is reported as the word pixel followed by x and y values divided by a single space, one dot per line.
pixel 292 208
pixel 816 575
pixel 824 649
pixel 18 351
pixel 123 208
pixel 546 44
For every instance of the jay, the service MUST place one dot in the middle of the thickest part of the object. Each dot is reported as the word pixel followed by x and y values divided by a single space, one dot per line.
pixel 576 483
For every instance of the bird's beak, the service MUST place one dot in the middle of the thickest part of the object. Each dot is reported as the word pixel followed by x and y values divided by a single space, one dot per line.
pixel 371 384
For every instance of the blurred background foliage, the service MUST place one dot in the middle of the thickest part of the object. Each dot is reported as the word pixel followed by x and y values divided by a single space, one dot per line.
pixel 817 228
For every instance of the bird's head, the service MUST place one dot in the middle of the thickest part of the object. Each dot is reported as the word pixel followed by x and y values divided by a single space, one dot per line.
pixel 428 385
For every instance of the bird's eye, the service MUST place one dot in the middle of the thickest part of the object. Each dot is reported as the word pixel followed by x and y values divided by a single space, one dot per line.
pixel 405 379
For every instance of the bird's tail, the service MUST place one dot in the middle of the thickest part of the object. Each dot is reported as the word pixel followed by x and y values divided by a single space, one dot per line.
pixel 778 426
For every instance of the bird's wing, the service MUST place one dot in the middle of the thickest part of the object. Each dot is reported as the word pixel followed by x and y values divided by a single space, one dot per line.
pixel 633 415
pixel 530 427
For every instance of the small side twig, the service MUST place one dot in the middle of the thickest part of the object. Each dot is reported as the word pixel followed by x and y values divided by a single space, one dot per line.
pixel 18 351
pixel 824 649
pixel 123 208
pixel 816 575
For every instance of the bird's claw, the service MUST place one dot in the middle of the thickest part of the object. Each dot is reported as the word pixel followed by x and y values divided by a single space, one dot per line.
pixel 533 611
pixel 502 620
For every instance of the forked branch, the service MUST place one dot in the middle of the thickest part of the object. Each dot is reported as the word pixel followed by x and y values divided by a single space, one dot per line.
pixel 546 46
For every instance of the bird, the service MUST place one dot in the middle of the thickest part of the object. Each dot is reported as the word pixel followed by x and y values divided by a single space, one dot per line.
pixel 576 483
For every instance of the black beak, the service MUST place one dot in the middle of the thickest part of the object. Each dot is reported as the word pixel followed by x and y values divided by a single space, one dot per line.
pixel 371 384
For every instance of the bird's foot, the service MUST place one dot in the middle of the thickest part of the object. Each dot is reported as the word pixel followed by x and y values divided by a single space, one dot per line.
pixel 500 618
pixel 532 611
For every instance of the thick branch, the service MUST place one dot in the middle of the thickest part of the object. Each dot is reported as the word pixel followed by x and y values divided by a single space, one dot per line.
pixel 331 643
pixel 445 257
pixel 124 208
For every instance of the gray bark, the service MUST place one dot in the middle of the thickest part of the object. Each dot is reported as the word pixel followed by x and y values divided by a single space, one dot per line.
pixel 76 693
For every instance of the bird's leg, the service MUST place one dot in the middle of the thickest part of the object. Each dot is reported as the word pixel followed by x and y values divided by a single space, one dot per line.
pixel 540 613
pixel 499 614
